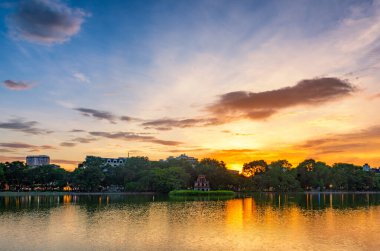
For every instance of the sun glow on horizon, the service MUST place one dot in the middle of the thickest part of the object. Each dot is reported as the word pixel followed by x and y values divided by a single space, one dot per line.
pixel 235 166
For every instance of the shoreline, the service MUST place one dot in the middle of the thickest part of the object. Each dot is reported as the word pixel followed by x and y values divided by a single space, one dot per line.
pixel 50 193
pixel 54 193
pixel 316 192
pixel 342 192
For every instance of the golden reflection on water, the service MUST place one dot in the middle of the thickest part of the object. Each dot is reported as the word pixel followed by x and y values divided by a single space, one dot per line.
pixel 67 199
pixel 262 222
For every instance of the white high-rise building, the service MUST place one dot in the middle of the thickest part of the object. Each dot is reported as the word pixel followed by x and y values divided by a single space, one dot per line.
pixel 37 160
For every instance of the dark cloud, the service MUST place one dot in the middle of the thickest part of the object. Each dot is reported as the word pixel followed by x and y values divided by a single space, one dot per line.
pixel 74 141
pixel 129 136
pixel 97 114
pixel 17 86
pixel 262 105
pixel 68 144
pixel 129 119
pixel 16 145
pixel 45 21
pixel 105 115
pixel 83 140
pixel 23 126
pixel 32 148
pixel 168 124
pixel 126 118
pixel 77 130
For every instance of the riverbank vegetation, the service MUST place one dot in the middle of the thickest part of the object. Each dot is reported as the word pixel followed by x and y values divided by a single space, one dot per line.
pixel 139 174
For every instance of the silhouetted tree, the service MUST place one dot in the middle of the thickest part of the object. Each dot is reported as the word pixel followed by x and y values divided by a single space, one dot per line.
pixel 254 167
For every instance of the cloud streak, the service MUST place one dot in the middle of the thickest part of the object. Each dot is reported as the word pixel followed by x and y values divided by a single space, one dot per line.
pixel 81 77
pixel 83 140
pixel 262 105
pixel 97 114
pixel 168 124
pixel 366 140
pixel 129 136
pixel 45 21
pixel 77 140
pixel 104 115
pixel 23 126
pixel 67 144
pixel 77 130
pixel 25 146
pixel 16 86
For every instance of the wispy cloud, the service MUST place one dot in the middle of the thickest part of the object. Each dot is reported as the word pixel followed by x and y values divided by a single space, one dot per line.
pixel 105 115
pixel 97 114
pixel 129 136
pixel 77 130
pixel 261 105
pixel 45 21
pixel 23 126
pixel 129 119
pixel 168 124
pixel 366 140
pixel 17 85
pixel 73 142
pixel 25 146
pixel 84 140
pixel 81 77
pixel 68 144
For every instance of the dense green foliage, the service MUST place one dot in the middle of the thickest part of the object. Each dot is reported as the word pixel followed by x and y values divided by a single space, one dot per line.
pixel 139 174
pixel 19 177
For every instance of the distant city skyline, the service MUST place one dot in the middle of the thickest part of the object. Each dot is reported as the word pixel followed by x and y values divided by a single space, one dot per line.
pixel 231 80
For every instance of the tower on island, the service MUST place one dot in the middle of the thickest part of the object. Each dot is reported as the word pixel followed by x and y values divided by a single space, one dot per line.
pixel 201 183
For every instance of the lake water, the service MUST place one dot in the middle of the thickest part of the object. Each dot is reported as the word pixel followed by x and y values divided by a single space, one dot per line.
pixel 257 222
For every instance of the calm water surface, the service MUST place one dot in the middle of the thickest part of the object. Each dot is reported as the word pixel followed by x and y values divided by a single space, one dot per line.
pixel 258 222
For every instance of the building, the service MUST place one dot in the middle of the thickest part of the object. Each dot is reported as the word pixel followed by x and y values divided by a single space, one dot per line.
pixel 202 184
pixel 115 161
pixel 110 161
pixel 366 167
pixel 37 160
pixel 184 157
pixel 190 159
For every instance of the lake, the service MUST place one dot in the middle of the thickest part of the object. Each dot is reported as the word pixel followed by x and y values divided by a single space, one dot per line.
pixel 320 221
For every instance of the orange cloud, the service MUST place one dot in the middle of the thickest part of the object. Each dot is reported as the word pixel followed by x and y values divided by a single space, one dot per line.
pixel 262 105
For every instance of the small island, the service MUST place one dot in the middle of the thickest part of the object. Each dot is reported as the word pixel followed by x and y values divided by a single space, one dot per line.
pixel 201 188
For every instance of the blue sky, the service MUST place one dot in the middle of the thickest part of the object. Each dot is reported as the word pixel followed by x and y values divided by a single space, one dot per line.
pixel 172 61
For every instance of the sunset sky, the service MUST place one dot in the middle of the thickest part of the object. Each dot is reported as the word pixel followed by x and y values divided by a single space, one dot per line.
pixel 231 80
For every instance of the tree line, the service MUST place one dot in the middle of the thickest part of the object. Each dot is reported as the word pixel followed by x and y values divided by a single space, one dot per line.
pixel 139 174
